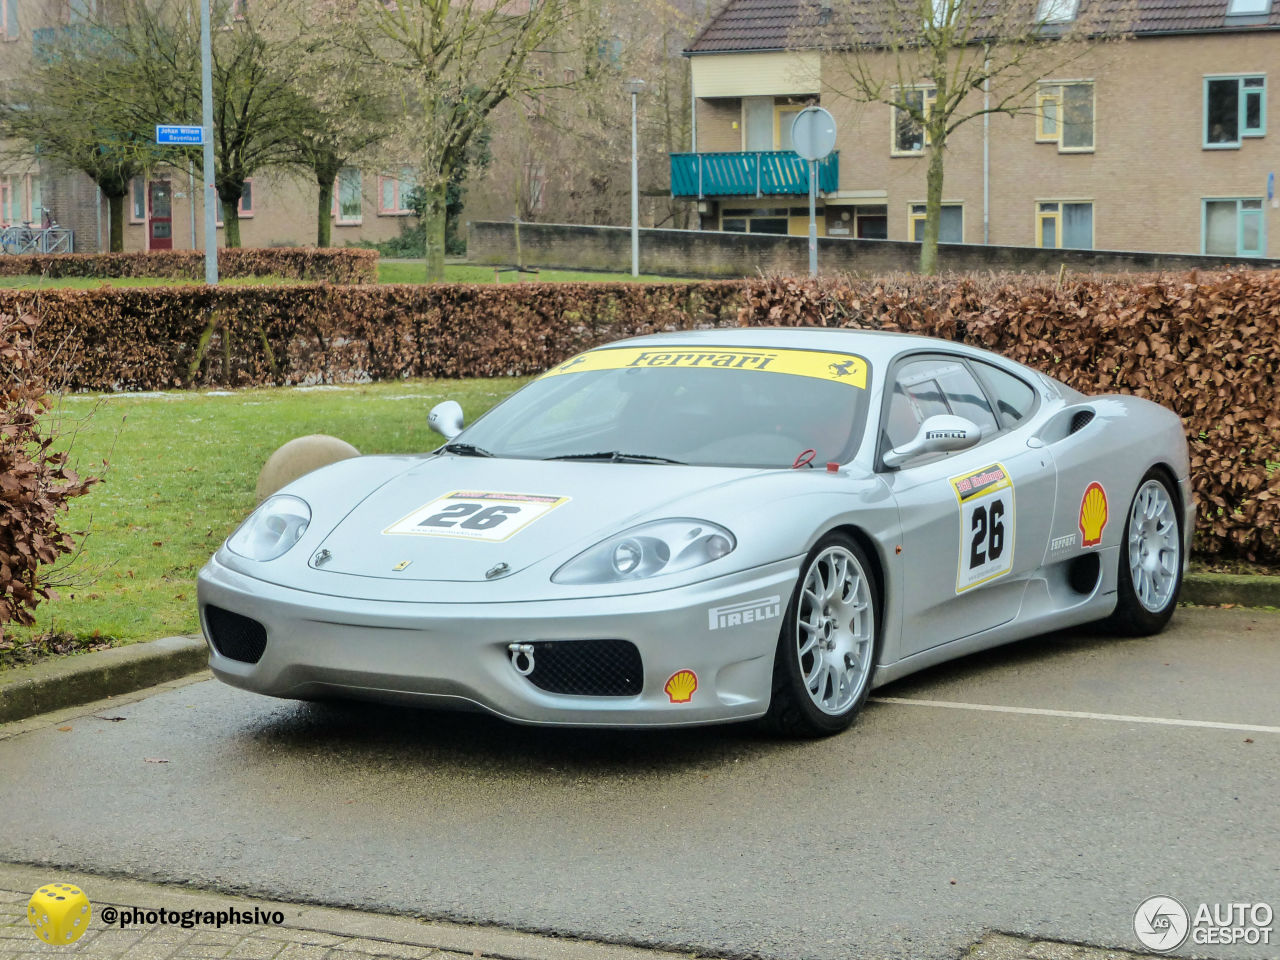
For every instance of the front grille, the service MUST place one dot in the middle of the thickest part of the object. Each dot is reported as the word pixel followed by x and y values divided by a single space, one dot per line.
pixel 1079 420
pixel 234 636
pixel 587 668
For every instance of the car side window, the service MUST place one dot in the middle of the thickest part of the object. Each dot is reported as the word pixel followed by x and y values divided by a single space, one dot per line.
pixel 1015 400
pixel 931 386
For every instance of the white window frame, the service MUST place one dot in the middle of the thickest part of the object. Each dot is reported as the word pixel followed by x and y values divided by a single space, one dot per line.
pixel 1056 11
pixel 337 199
pixel 1253 8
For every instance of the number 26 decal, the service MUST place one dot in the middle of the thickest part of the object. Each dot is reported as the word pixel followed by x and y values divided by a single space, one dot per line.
pixel 986 501
pixel 484 520
pixel 988 534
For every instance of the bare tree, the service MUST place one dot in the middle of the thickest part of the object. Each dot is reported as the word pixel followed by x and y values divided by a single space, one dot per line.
pixel 456 61
pixel 66 107
pixel 944 63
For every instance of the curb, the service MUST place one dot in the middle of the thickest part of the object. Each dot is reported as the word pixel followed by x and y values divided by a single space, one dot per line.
pixel 1245 590
pixel 72 681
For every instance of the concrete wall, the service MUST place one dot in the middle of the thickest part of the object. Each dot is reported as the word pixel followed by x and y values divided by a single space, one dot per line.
pixel 695 253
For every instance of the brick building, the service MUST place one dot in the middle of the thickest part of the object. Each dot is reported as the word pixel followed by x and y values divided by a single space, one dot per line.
pixel 278 208
pixel 1158 142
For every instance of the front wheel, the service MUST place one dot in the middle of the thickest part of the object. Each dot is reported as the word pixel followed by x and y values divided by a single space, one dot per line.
pixel 1150 573
pixel 827 650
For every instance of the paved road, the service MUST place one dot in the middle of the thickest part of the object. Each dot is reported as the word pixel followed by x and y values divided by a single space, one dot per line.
pixel 907 837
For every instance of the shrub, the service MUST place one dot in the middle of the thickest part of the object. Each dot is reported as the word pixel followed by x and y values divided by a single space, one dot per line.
pixel 294 263
pixel 35 483
pixel 1206 346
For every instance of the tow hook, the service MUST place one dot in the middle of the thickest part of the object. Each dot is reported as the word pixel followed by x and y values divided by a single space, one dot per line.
pixel 521 657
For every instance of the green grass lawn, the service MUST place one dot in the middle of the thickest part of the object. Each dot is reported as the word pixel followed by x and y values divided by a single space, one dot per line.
pixel 399 271
pixel 181 476
pixel 392 272
pixel 405 271
pixel 93 283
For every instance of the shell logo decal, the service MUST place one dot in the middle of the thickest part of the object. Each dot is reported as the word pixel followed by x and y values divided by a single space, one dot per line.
pixel 1093 515
pixel 680 686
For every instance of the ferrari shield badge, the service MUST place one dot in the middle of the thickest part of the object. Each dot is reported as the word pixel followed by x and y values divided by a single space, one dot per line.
pixel 985 498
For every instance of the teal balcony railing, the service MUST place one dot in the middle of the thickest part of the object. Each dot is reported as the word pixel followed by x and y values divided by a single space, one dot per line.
pixel 774 173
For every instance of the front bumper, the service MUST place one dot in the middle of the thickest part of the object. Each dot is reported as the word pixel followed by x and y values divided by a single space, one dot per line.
pixel 454 655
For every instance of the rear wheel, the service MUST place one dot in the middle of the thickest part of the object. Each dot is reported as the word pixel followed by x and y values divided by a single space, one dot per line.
pixel 1150 573
pixel 827 650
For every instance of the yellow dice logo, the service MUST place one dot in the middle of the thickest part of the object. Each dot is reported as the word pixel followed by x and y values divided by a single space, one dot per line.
pixel 59 913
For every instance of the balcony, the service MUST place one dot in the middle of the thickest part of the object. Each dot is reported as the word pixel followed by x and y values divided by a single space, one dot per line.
pixel 777 173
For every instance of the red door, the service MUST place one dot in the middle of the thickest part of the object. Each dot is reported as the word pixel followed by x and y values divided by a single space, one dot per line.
pixel 160 215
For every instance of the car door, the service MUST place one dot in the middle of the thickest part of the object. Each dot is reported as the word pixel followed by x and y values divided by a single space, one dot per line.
pixel 974 522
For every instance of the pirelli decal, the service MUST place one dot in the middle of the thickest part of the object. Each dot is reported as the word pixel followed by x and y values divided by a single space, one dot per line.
pixel 837 367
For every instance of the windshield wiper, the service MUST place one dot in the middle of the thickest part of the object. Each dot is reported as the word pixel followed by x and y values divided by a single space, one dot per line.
pixel 466 450
pixel 614 456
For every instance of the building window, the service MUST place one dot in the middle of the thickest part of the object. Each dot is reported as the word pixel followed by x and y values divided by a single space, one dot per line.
pixel 755 220
pixel 535 178
pixel 9 20
pixel 1056 11
pixel 1064 115
pixel 909 134
pixel 20 200
pixel 245 206
pixel 347 207
pixel 393 193
pixel 1246 8
pixel 1064 225
pixel 1234 107
pixel 950 230
pixel 138 200
pixel 1234 228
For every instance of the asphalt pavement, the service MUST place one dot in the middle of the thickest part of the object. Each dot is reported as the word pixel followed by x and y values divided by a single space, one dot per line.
pixel 1044 789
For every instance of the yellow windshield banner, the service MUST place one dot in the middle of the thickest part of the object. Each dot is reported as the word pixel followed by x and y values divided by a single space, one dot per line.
pixel 839 367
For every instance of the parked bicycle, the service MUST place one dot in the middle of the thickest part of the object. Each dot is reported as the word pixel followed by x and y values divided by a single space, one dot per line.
pixel 28 238
pixel 21 239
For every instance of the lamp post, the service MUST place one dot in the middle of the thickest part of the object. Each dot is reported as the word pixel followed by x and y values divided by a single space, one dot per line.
pixel 206 121
pixel 634 86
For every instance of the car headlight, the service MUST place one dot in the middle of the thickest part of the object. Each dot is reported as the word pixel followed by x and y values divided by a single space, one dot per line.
pixel 649 550
pixel 271 529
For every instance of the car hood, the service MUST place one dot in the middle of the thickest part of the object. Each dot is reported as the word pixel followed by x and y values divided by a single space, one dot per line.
pixel 463 519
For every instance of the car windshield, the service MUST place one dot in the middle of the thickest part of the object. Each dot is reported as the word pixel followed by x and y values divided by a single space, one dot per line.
pixel 709 406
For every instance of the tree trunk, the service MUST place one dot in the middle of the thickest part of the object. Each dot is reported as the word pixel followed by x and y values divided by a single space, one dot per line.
pixel 324 213
pixel 933 205
pixel 433 222
pixel 231 223
pixel 115 217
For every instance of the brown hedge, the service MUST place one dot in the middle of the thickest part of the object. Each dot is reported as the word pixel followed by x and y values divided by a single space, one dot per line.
pixel 1207 346
pixel 293 263
pixel 35 483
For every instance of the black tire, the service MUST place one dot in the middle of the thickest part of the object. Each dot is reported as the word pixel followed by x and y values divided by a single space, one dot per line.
pixel 1136 616
pixel 793 708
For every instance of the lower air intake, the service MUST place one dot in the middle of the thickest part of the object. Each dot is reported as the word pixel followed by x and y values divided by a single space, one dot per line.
pixel 234 636
pixel 587 668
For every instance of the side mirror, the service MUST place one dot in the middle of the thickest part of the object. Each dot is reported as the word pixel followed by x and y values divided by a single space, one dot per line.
pixel 941 434
pixel 446 419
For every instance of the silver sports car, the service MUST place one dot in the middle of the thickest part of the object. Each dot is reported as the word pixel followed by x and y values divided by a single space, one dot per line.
pixel 710 526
